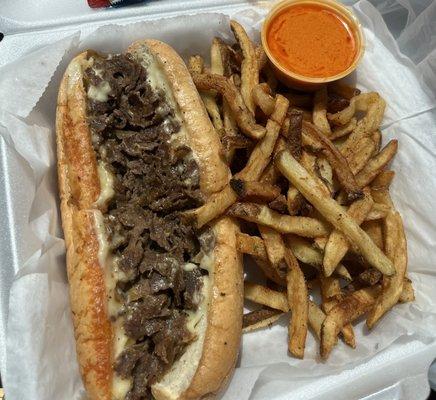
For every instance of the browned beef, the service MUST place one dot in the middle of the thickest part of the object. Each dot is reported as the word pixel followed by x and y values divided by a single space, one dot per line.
pixel 154 183
pixel 128 359
pixel 192 287
pixel 336 104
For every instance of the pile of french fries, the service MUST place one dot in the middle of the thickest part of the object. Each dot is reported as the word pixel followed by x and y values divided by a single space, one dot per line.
pixel 311 189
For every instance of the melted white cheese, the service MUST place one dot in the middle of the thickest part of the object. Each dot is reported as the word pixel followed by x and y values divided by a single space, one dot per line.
pixel 110 264
pixel 185 367
pixel 106 185
pixel 99 92
pixel 194 317
pixel 196 320
pixel 103 246
pixel 189 267
pixel 120 386
pixel 105 259
pixel 159 81
pixel 207 262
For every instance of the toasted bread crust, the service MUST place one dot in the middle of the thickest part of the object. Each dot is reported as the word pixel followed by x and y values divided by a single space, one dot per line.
pixel 224 328
pixel 80 187
pixel 202 137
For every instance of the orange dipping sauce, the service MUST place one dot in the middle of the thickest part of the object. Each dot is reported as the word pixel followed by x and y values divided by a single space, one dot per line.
pixel 311 40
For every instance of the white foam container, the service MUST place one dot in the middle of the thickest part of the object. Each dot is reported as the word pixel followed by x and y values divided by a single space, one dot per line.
pixel 400 372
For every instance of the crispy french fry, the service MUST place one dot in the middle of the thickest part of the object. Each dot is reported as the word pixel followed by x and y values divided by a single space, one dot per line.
pixel 325 172
pixel 261 154
pixel 298 302
pixel 275 247
pixel 261 56
pixel 370 276
pixel 336 103
pixel 308 160
pixel 391 234
pixel 209 98
pixel 378 211
pixel 285 126
pixel 267 297
pixel 319 243
pixel 259 159
pixel 254 190
pixel 195 64
pixel 337 203
pixel 255 247
pixel 232 59
pixel 374 230
pixel 294 201
pixel 319 114
pixel 307 115
pixel 252 245
pixel 376 137
pixel 229 122
pixel 263 100
pixel 347 330
pixel 259 319
pixel 351 307
pixel 383 180
pixel 315 317
pixel 382 197
pixel 332 212
pixel 306 253
pixel 260 214
pixel 233 141
pixel 363 151
pixel 343 90
pixel 216 57
pixel 279 204
pixel 274 274
pixel 309 142
pixel 330 288
pixel 336 160
pixel 270 175
pixel 408 294
pixel 229 91
pixel 331 294
pixel 337 244
pixel 294 132
pixel 376 164
pixel 368 124
pixel 213 110
pixel 230 127
pixel 360 102
pixel 344 130
pixel 216 205
pixel 392 287
pixel 249 65
pixel 279 146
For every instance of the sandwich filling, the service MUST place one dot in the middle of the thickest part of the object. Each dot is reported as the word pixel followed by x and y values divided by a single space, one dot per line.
pixel 156 264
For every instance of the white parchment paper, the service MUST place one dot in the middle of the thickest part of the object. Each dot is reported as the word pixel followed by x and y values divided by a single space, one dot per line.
pixel 40 345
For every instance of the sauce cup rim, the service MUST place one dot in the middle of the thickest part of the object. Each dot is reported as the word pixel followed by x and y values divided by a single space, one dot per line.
pixel 340 9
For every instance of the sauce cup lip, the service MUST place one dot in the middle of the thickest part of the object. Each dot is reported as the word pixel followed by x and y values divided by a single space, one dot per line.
pixel 339 9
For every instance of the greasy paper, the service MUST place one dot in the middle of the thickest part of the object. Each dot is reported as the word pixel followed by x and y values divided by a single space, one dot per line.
pixel 39 332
